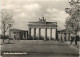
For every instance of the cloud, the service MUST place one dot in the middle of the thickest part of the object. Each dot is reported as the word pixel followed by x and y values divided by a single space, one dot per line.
pixel 58 16
pixel 31 7
pixel 31 10
pixel 26 14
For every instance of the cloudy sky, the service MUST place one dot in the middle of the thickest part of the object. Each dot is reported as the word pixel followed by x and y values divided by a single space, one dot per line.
pixel 25 11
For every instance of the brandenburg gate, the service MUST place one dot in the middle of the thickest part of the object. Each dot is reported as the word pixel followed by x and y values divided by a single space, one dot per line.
pixel 42 27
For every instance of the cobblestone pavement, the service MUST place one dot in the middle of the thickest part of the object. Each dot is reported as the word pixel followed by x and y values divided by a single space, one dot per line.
pixel 39 48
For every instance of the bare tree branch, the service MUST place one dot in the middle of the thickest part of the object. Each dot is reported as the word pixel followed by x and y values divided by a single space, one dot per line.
pixel 6 21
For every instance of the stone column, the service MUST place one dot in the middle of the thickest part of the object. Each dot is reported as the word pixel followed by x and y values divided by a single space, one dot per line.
pixel 50 34
pixel 9 34
pixel 23 35
pixel 65 37
pixel 34 33
pixel 39 33
pixel 45 34
pixel 56 36
pixel 29 33
pixel 18 35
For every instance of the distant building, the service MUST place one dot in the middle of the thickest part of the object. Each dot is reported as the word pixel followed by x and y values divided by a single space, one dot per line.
pixel 18 34
pixel 62 34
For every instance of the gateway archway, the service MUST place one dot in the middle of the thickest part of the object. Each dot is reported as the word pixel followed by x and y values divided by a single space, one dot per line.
pixel 42 29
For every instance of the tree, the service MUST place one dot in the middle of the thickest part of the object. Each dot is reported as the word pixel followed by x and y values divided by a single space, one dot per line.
pixel 6 21
pixel 73 21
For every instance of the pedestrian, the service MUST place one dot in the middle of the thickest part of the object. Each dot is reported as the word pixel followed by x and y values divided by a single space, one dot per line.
pixel 72 39
pixel 76 39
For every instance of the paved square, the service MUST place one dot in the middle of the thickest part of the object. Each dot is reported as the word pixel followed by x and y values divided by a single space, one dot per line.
pixel 40 48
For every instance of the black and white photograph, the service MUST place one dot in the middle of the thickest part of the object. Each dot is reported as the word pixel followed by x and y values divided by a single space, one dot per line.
pixel 39 28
